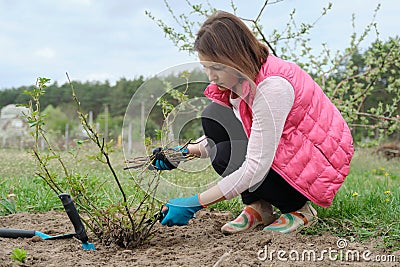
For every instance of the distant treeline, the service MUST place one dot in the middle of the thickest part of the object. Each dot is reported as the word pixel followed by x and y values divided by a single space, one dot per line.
pixel 92 95
pixel 102 100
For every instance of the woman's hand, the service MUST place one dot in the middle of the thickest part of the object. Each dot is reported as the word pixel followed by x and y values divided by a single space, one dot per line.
pixel 161 161
pixel 181 210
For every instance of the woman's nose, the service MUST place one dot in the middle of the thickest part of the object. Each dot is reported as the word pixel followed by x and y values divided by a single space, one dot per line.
pixel 212 76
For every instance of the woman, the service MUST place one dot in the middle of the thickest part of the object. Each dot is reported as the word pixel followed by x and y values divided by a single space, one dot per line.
pixel 272 134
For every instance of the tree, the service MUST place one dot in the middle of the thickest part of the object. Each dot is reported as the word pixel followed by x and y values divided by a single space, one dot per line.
pixel 372 82
pixel 350 79
pixel 121 94
pixel 56 119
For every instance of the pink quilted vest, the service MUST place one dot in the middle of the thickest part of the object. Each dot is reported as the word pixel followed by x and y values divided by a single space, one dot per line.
pixel 316 146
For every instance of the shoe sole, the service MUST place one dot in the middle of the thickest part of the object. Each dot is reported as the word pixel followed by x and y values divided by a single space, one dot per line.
pixel 225 232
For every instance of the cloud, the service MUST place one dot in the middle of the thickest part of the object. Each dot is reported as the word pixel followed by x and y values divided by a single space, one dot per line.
pixel 45 53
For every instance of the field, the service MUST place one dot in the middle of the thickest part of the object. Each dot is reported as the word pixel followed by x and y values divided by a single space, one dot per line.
pixel 361 228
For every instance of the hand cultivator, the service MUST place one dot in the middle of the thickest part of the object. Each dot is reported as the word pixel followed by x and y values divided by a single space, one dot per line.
pixel 73 215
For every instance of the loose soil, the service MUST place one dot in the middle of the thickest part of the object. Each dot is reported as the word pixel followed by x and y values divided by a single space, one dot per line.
pixel 200 243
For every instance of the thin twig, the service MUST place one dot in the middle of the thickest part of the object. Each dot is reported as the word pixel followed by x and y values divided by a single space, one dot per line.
pixel 255 23
pixel 94 136
pixel 222 258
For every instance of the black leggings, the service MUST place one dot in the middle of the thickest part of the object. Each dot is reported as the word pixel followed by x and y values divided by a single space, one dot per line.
pixel 228 151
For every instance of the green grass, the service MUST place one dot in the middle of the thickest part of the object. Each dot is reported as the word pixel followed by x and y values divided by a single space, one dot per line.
pixel 367 205
pixel 22 190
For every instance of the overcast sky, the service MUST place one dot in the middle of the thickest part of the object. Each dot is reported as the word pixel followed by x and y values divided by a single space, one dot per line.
pixel 110 39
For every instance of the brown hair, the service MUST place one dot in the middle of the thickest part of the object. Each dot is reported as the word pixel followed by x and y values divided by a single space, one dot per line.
pixel 226 39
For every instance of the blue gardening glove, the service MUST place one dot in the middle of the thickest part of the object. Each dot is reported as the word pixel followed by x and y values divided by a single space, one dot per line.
pixel 161 162
pixel 181 210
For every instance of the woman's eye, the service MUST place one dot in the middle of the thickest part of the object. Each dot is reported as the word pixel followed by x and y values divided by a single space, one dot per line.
pixel 217 67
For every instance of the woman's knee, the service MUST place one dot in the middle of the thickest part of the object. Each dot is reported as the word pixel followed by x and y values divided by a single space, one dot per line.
pixel 221 124
pixel 212 110
pixel 227 157
pixel 214 122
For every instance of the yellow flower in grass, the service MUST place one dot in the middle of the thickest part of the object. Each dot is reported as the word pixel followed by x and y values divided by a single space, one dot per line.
pixel 386 174
pixel 12 196
pixel 387 192
pixel 382 169
pixel 355 194
pixel 374 170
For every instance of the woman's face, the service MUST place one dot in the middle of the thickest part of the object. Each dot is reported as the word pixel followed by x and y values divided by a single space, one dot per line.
pixel 222 75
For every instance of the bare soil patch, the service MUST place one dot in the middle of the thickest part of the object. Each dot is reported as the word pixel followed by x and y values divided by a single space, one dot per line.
pixel 201 243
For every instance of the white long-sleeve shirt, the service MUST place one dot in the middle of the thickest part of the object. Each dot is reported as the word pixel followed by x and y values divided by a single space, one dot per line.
pixel 272 103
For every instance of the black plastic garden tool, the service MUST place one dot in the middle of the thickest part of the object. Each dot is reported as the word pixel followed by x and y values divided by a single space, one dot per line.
pixel 73 215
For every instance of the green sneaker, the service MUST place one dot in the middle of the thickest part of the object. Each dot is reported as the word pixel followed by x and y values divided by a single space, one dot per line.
pixel 294 221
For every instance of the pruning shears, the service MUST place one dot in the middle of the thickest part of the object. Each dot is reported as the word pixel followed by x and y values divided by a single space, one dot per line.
pixel 159 215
